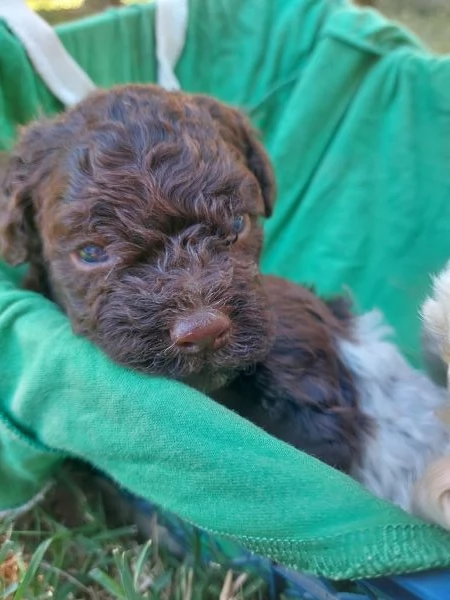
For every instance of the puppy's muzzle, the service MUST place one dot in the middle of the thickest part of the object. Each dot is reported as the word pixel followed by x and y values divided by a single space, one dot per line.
pixel 204 330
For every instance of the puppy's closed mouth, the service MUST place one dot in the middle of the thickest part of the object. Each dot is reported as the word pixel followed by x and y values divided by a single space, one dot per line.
pixel 212 366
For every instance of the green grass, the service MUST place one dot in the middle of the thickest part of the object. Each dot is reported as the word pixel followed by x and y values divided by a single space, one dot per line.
pixel 64 550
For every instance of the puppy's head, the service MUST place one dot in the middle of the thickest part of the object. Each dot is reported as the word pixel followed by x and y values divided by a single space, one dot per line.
pixel 139 212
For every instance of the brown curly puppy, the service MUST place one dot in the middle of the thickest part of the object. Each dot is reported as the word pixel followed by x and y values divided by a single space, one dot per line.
pixel 139 211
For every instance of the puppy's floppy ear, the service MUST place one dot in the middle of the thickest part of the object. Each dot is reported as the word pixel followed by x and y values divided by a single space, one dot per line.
pixel 237 130
pixel 30 165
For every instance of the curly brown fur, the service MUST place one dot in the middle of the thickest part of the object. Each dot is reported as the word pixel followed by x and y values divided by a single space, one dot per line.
pixel 154 178
pixel 302 392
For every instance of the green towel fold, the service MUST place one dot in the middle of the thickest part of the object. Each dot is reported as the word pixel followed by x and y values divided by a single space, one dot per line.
pixel 61 397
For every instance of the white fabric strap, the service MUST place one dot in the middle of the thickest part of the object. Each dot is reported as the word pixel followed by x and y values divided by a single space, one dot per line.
pixel 59 71
pixel 62 75
pixel 171 27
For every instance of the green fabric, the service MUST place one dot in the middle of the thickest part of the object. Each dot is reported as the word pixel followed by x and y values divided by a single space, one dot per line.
pixel 361 154
pixel 114 47
pixel 356 117
pixel 168 443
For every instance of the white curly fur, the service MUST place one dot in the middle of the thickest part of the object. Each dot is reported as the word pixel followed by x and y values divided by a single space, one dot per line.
pixel 404 405
pixel 436 314
pixel 431 494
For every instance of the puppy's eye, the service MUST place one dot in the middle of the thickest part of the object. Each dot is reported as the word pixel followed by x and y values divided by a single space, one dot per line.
pixel 240 225
pixel 92 255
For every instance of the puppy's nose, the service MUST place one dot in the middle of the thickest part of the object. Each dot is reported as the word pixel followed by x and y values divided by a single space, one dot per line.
pixel 203 330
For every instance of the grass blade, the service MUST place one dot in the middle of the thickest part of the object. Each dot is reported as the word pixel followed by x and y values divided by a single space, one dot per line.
pixel 6 550
pixel 7 594
pixel 140 563
pixel 125 576
pixel 32 568
pixel 107 583
pixel 162 582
